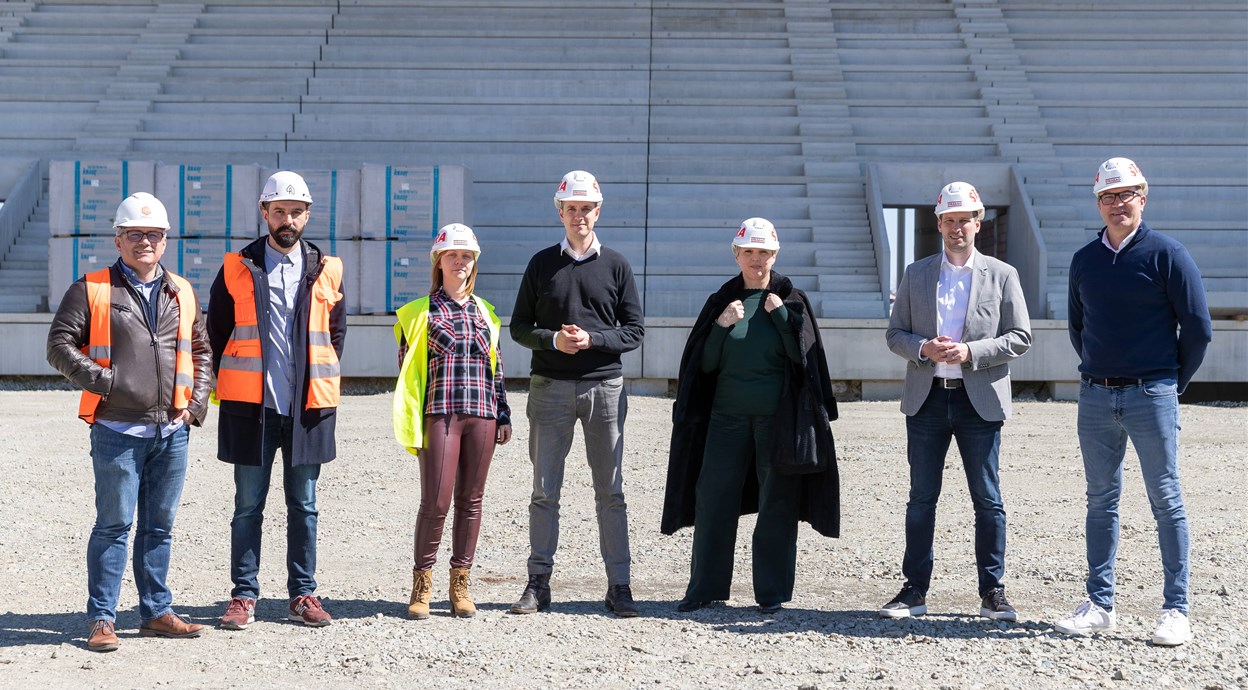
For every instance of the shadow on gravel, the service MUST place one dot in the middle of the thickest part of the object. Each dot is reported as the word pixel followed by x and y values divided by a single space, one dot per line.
pixel 20 629
pixel 747 620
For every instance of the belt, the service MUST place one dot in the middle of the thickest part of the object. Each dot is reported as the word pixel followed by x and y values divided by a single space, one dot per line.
pixel 947 384
pixel 1112 381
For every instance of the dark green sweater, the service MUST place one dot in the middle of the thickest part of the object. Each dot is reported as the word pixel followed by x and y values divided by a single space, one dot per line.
pixel 749 356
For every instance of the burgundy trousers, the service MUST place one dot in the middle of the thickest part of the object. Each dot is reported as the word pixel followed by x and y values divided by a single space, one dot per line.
pixel 453 463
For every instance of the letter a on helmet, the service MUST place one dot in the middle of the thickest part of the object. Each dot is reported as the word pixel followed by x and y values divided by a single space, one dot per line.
pixel 578 185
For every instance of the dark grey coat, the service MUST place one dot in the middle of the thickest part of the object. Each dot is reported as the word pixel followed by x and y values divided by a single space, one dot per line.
pixel 241 428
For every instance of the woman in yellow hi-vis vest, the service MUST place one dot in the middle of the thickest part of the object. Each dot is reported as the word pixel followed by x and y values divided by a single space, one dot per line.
pixel 450 409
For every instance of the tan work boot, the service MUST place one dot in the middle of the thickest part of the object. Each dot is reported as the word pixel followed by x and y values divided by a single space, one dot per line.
pixel 461 600
pixel 422 585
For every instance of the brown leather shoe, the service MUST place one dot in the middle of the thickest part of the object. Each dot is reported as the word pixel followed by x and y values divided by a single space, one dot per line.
pixel 170 625
pixel 102 638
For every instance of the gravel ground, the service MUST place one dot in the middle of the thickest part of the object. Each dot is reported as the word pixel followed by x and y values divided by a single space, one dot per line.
pixel 829 636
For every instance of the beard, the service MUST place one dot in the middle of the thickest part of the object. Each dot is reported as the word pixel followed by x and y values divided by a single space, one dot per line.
pixel 286 236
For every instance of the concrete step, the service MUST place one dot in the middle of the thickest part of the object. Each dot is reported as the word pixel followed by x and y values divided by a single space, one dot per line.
pixel 23 265
pixel 860 306
pixel 23 251
pixel 28 303
pixel 33 279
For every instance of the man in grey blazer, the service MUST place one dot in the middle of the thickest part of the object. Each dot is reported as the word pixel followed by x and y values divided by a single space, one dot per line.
pixel 958 319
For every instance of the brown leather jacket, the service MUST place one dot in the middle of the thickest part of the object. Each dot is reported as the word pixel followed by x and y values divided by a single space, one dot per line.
pixel 139 385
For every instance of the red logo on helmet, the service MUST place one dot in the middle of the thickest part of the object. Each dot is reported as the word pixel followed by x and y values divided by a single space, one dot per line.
pixel 563 186
pixel 972 195
pixel 741 232
pixel 441 238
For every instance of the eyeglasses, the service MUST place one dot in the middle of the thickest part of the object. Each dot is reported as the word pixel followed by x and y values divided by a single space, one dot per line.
pixel 1111 198
pixel 136 237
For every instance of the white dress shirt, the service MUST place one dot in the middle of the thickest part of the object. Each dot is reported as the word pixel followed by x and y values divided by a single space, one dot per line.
pixel 953 293
pixel 594 248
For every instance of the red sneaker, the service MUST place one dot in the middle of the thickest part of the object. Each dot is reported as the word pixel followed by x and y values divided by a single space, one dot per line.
pixel 239 614
pixel 307 609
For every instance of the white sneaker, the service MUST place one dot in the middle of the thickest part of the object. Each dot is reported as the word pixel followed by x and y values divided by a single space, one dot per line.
pixel 1173 629
pixel 1088 618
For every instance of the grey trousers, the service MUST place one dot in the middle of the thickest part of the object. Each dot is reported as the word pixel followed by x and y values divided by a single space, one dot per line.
pixel 554 407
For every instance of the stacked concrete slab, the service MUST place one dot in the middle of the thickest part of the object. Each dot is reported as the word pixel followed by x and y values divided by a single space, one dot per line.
pixel 334 223
pixel 212 210
pixel 401 207
pixel 83 196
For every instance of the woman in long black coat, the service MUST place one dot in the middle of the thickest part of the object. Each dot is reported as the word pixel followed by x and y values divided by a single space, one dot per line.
pixel 750 428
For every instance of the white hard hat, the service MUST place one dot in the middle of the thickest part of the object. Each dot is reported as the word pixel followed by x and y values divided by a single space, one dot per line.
pixel 758 233
pixel 1118 173
pixel 285 185
pixel 958 196
pixel 454 236
pixel 578 185
pixel 141 210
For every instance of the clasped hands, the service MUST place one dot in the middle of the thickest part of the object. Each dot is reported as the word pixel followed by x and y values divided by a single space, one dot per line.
pixel 946 350
pixel 571 339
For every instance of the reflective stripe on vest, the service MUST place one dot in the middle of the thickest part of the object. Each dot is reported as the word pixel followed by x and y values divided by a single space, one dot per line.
pixel 240 376
pixel 99 339
pixel 324 374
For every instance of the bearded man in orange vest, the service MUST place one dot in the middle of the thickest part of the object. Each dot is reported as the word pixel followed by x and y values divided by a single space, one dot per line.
pixel 277 321
pixel 132 337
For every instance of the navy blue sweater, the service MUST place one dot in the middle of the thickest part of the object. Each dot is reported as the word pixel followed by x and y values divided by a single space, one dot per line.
pixel 1140 313
pixel 599 295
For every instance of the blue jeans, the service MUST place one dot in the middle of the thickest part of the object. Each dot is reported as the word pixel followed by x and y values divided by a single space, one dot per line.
pixel 130 473
pixel 947 415
pixel 251 488
pixel 553 409
pixel 1148 414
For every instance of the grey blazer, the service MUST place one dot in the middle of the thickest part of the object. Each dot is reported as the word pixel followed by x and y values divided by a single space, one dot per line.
pixel 997 330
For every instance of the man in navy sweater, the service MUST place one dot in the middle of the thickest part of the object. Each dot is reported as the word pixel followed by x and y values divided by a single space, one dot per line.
pixel 1139 322
pixel 578 310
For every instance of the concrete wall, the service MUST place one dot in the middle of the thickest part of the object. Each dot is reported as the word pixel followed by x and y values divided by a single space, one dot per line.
pixel 856 352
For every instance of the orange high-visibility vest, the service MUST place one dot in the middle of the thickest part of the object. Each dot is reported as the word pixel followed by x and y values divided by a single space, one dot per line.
pixel 240 376
pixel 100 338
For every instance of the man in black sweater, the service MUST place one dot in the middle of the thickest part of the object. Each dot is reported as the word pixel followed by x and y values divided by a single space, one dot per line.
pixel 578 310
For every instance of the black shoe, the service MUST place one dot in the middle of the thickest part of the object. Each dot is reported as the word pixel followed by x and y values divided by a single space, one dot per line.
pixel 620 600
pixel 688 605
pixel 768 609
pixel 995 607
pixel 908 602
pixel 536 595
